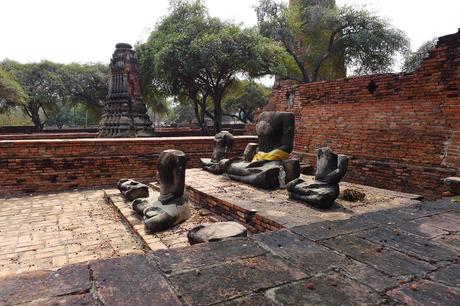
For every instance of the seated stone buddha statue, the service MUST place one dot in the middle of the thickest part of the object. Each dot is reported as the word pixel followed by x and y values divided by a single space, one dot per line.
pixel 267 165
pixel 223 144
pixel 324 190
pixel 171 207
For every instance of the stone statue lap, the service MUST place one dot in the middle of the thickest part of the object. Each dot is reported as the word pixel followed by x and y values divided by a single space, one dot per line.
pixel 322 193
pixel 262 162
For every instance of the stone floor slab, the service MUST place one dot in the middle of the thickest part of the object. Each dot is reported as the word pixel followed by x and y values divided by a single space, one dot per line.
pixel 330 229
pixel 449 275
pixel 251 300
pixel 231 280
pixel 309 256
pixel 206 254
pixel 331 289
pixel 68 300
pixel 131 280
pixel 28 287
pixel 426 293
pixel 409 244
pixel 381 258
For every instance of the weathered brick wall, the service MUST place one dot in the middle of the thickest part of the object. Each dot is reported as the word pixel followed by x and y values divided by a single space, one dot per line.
pixel 401 130
pixel 28 166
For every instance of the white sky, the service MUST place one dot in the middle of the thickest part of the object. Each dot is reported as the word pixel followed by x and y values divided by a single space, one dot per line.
pixel 87 30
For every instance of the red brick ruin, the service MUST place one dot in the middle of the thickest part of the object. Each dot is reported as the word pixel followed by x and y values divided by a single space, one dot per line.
pixel 401 130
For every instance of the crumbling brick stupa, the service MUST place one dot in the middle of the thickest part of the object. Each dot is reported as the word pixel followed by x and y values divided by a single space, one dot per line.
pixel 125 113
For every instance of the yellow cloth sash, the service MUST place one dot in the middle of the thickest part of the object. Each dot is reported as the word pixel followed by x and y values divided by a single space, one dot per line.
pixel 276 154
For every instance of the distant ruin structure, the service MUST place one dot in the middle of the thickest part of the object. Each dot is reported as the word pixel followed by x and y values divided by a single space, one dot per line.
pixel 125 113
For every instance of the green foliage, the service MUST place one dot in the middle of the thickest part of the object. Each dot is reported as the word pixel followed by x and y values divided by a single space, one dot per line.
pixel 413 60
pixel 191 54
pixel 11 92
pixel 313 32
pixel 243 98
pixel 52 87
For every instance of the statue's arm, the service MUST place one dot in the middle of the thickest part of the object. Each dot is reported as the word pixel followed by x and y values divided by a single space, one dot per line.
pixel 336 175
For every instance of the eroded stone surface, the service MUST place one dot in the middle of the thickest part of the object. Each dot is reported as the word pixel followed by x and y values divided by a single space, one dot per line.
pixel 68 300
pixel 384 259
pixel 426 293
pixel 332 289
pixel 329 229
pixel 234 279
pixel 206 254
pixel 449 275
pixel 133 279
pixel 255 299
pixel 28 287
pixel 307 255
pixel 409 244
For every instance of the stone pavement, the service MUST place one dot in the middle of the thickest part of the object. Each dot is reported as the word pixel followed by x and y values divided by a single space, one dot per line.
pixel 405 255
pixel 48 231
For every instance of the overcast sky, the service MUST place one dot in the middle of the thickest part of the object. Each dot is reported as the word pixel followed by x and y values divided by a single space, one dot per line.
pixel 87 30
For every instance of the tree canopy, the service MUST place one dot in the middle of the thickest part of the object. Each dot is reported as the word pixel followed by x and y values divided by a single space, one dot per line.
pixel 413 60
pixel 50 87
pixel 11 92
pixel 196 57
pixel 313 32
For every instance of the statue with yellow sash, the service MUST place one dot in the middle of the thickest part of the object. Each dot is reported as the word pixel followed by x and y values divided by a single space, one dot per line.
pixel 267 164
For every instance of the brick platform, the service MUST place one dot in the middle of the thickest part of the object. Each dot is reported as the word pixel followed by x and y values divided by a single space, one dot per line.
pixel 49 231
pixel 262 210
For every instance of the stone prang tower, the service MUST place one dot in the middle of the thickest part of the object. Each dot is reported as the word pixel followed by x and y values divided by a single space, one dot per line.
pixel 125 113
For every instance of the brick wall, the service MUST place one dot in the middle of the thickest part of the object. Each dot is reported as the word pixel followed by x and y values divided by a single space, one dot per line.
pixel 28 166
pixel 401 130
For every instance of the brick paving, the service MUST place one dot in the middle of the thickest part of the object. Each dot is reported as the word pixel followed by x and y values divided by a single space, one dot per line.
pixel 388 263
pixel 48 231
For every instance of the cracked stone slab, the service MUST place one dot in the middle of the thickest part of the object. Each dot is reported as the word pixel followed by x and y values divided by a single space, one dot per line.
pixel 253 299
pixel 422 227
pixel 449 275
pixel 67 300
pixel 451 241
pixel 206 254
pixel 426 293
pixel 384 259
pixel 42 284
pixel 233 279
pixel 309 256
pixel 330 229
pixel 329 289
pixel 409 244
pixel 131 278
pixel 447 221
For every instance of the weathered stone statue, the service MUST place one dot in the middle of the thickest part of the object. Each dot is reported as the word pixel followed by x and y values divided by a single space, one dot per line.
pixel 132 190
pixel 223 144
pixel 330 169
pixel 267 164
pixel 170 208
pixel 125 114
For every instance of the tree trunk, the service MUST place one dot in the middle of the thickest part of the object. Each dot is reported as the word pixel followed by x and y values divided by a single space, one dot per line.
pixel 200 117
pixel 217 114
pixel 35 116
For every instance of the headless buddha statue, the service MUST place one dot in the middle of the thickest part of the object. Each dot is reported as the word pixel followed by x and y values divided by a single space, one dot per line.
pixel 263 162
pixel 170 208
pixel 223 144
pixel 330 169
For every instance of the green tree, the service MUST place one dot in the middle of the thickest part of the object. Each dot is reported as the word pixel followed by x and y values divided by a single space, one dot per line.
pixel 243 98
pixel 313 32
pixel 43 86
pixel 413 60
pixel 196 57
pixel 11 92
pixel 53 88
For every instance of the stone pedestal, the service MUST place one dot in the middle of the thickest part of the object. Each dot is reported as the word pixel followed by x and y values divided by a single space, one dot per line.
pixel 125 114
